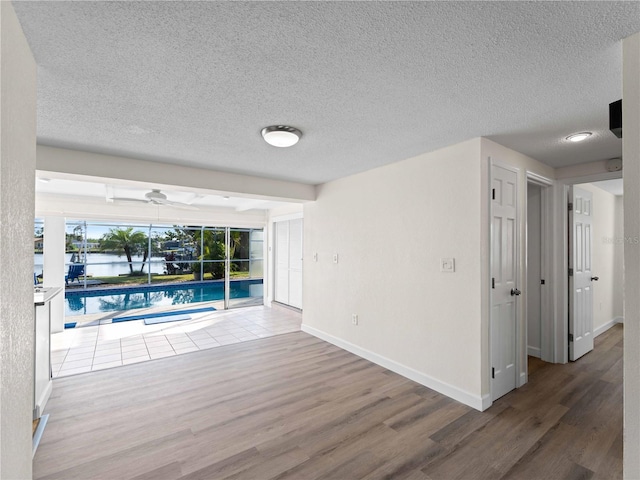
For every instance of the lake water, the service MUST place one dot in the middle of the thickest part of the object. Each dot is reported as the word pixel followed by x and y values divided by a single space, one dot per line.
pixel 109 265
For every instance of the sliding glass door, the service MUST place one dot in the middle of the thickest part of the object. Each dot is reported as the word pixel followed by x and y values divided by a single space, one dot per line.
pixel 220 264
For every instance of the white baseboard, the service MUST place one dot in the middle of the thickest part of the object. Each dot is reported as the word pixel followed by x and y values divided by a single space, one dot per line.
pixel 44 397
pixel 523 379
pixel 480 403
pixel 533 351
pixel 603 328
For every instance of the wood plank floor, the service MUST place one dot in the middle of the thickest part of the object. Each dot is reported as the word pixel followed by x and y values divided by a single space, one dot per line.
pixel 295 407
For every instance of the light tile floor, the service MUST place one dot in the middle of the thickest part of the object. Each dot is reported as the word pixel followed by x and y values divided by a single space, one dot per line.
pixel 84 349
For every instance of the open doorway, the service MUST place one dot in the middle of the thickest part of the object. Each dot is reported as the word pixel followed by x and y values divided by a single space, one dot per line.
pixel 607 251
pixel 559 327
pixel 538 298
pixel 603 263
pixel 535 270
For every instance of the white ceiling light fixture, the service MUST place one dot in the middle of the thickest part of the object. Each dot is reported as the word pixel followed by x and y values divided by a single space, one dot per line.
pixel 579 137
pixel 281 135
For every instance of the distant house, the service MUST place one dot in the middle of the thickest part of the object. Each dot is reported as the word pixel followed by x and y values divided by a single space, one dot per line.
pixel 79 244
pixel 172 245
pixel 38 243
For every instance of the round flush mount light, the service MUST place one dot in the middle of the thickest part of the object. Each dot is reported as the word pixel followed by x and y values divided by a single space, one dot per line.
pixel 579 137
pixel 281 135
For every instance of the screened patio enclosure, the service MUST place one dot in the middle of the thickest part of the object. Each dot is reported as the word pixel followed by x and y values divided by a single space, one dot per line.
pixel 136 265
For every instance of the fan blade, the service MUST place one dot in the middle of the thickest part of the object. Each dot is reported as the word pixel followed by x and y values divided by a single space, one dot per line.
pixel 128 200
pixel 183 206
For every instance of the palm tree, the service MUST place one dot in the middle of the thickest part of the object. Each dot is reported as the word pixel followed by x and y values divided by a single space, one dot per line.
pixel 128 240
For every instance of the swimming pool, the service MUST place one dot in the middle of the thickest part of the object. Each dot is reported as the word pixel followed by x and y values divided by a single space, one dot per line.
pixel 84 302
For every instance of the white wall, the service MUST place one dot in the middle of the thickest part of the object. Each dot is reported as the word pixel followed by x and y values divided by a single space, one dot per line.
pixel 604 241
pixel 582 170
pixel 631 155
pixel 17 177
pixel 618 259
pixel 390 227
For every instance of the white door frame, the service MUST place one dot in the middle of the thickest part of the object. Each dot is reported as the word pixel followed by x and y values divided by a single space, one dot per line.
pixel 561 259
pixel 546 242
pixel 520 381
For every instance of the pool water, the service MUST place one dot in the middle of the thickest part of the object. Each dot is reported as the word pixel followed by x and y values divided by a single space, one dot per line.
pixel 84 302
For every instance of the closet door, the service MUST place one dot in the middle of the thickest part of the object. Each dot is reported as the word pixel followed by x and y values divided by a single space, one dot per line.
pixel 281 291
pixel 295 263
pixel 288 262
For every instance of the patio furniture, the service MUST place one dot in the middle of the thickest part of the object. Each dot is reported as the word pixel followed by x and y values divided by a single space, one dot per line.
pixel 75 271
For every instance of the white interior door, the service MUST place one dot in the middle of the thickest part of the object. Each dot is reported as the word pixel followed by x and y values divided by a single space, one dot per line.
pixel 295 262
pixel 504 272
pixel 281 290
pixel 580 274
pixel 288 262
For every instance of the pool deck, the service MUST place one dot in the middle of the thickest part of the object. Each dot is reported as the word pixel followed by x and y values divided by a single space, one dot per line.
pixel 105 318
pixel 96 345
pixel 80 284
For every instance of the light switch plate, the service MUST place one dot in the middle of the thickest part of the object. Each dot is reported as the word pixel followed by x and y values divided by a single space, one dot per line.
pixel 447 265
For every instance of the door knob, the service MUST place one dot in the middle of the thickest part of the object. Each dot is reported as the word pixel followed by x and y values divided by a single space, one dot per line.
pixel 595 279
pixel 515 291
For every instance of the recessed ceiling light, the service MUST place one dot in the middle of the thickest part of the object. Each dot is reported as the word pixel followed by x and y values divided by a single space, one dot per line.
pixel 578 137
pixel 281 135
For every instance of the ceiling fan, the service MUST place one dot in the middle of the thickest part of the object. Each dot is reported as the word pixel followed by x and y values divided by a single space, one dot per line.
pixel 154 197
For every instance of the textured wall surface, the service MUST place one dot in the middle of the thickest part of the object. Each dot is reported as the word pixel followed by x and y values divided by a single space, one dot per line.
pixel 631 153
pixel 618 300
pixel 17 173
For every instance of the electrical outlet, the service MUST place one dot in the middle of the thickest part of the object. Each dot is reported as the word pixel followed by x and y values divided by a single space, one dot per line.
pixel 354 319
pixel 315 257
pixel 447 265
pixel 335 258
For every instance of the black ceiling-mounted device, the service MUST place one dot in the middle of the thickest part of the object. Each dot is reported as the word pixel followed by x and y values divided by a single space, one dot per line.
pixel 615 118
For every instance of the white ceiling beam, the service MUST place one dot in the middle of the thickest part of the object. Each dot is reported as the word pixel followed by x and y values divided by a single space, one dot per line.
pixel 70 164
pixel 250 205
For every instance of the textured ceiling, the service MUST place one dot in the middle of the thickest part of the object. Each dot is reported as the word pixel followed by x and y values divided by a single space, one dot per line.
pixel 368 83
